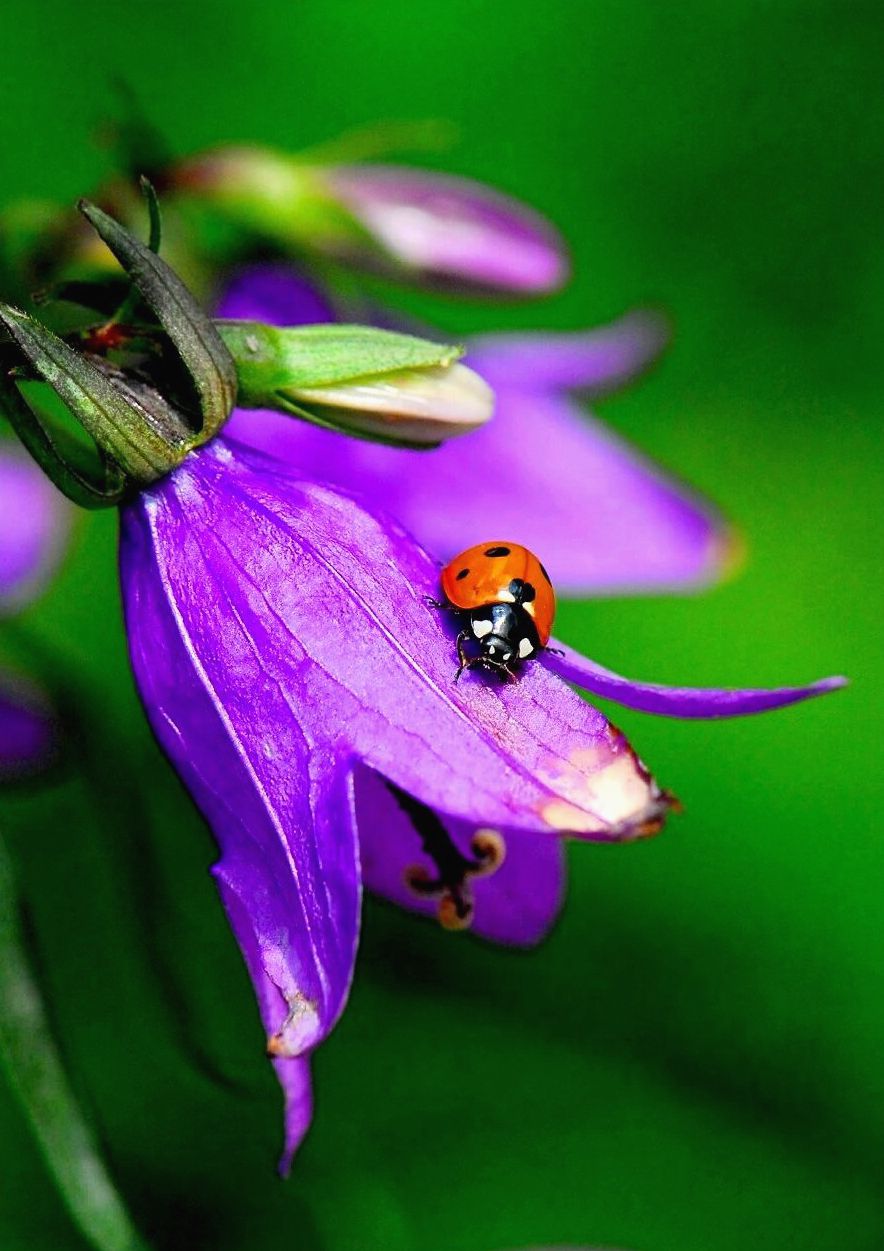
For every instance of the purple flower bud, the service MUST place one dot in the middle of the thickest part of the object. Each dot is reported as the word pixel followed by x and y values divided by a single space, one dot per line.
pixel 412 222
pixel 452 229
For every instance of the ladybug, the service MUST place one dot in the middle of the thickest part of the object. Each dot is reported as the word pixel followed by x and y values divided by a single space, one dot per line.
pixel 505 602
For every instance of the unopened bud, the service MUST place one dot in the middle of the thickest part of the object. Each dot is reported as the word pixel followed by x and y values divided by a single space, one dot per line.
pixel 377 384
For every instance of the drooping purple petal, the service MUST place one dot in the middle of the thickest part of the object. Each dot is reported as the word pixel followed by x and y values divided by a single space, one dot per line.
pixel 294 1077
pixel 33 521
pixel 279 637
pixel 516 905
pixel 293 1072
pixel 677 701
pixel 453 229
pixel 591 361
pixel 602 518
pixel 27 731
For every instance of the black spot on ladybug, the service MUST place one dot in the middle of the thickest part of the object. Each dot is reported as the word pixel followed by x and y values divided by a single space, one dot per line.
pixel 522 592
pixel 497 551
pixel 463 573
pixel 545 574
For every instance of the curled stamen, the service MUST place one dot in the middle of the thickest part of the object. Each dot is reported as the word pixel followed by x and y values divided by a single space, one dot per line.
pixel 451 885
pixel 418 879
pixel 455 912
pixel 490 850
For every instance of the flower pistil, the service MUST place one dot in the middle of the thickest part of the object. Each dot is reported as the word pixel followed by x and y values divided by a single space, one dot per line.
pixel 451 885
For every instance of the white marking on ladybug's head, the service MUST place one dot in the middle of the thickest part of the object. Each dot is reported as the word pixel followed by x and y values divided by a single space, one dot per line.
pixel 526 647
pixel 507 656
pixel 529 609
pixel 481 628
pixel 505 597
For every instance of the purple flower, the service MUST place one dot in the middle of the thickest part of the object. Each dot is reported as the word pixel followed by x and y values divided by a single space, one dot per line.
pixel 302 686
pixel 409 222
pixel 541 472
pixel 452 228
pixel 32 526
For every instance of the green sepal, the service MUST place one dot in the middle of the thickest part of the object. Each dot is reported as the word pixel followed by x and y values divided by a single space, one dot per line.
pixel 138 447
pixel 56 454
pixel 128 309
pixel 270 359
pixel 197 342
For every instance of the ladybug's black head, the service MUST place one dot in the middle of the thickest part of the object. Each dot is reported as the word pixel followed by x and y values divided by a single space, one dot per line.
pixel 496 649
pixel 504 633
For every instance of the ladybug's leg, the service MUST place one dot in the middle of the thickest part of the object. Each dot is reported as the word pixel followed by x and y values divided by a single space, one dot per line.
pixel 556 651
pixel 438 603
pixel 466 662
pixel 505 672
pixel 499 667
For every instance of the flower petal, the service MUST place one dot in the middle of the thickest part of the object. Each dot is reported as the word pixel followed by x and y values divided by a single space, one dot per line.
pixel 586 360
pixel 516 905
pixel 677 701
pixel 33 519
pixel 279 804
pixel 453 228
pixel 293 1072
pixel 542 471
pixel 294 1077
pixel 275 294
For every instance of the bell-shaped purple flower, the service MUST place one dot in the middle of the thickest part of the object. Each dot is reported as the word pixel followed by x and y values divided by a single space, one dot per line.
pixel 542 472
pixel 33 520
pixel 302 685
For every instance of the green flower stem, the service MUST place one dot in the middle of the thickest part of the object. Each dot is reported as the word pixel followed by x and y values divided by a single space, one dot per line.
pixel 35 1073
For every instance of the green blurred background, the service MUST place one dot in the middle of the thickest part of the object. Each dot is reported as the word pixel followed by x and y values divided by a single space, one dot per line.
pixel 693 1062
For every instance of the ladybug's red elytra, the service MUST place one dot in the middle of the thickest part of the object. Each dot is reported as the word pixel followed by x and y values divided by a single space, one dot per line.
pixel 506 604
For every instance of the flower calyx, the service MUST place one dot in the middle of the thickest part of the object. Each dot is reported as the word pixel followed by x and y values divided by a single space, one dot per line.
pixel 146 384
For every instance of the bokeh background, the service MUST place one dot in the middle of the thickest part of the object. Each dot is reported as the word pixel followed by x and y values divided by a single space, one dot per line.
pixel 695 1059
